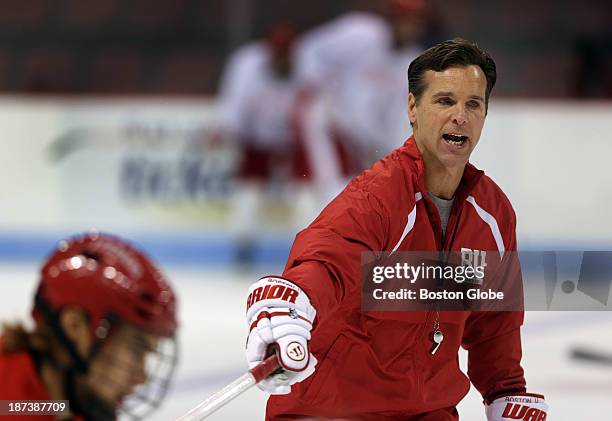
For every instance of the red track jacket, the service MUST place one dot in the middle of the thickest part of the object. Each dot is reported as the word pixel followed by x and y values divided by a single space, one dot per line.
pixel 19 381
pixel 378 365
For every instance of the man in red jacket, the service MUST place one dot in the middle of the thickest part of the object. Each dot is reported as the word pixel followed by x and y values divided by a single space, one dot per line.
pixel 342 362
pixel 101 310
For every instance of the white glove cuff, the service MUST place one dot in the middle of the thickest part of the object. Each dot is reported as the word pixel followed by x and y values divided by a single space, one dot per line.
pixel 521 406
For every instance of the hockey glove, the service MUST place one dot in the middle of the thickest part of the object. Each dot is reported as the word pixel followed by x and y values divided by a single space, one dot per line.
pixel 520 406
pixel 279 315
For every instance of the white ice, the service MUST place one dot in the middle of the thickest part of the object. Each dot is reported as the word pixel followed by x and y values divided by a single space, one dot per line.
pixel 212 337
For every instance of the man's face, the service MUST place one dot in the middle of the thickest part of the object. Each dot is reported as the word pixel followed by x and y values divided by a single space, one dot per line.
pixel 448 119
pixel 120 366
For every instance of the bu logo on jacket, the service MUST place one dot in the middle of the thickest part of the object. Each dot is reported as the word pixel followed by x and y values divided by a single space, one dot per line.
pixel 474 259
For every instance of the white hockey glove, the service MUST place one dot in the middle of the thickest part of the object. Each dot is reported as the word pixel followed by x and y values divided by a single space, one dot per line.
pixel 521 406
pixel 279 314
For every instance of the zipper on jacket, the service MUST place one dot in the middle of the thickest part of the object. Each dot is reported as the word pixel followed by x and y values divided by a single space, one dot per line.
pixel 444 243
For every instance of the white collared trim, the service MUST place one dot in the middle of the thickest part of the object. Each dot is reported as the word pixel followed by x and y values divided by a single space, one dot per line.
pixel 491 222
pixel 410 223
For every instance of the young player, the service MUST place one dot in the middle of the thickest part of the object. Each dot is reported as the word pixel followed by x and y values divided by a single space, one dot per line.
pixel 341 362
pixel 102 310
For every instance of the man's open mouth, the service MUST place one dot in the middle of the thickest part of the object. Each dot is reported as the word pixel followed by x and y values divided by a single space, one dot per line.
pixel 454 139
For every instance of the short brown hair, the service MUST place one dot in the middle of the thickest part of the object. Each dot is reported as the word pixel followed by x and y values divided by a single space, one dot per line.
pixel 452 53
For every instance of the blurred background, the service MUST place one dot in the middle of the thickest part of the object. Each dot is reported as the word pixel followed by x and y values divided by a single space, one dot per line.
pixel 546 48
pixel 210 132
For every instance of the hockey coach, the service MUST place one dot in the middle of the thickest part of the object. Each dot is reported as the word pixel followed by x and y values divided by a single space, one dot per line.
pixel 341 362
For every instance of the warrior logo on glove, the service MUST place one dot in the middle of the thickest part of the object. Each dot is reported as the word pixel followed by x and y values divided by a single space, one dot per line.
pixel 272 292
pixel 295 351
pixel 522 406
pixel 516 411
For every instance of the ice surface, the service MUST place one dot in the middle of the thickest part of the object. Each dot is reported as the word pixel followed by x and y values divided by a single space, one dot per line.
pixel 212 338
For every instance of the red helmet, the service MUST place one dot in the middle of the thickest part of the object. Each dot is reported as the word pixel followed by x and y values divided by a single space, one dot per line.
pixel 281 37
pixel 106 276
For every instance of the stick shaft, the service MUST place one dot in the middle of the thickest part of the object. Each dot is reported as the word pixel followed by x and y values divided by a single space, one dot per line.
pixel 220 398
pixel 232 390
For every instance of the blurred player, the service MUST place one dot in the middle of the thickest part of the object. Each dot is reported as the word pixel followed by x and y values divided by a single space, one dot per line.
pixel 105 321
pixel 376 92
pixel 358 64
pixel 345 363
pixel 260 103
pixel 258 99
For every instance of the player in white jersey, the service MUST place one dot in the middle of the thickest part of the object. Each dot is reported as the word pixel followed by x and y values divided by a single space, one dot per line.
pixel 260 101
pixel 257 98
pixel 358 64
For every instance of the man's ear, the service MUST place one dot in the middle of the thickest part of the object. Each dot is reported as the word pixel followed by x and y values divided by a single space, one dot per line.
pixel 412 108
pixel 75 325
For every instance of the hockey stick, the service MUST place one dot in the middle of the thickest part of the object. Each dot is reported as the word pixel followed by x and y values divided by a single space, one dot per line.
pixel 232 390
pixel 592 356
